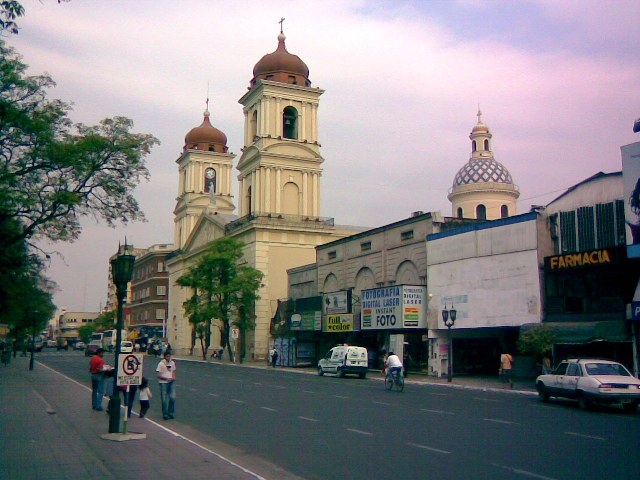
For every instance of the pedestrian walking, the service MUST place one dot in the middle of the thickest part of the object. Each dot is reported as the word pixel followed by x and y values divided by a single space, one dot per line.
pixel 506 366
pixel 274 356
pixel 166 372
pixel 144 397
pixel 96 369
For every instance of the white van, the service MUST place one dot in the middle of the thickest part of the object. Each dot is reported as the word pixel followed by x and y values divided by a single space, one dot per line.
pixel 345 359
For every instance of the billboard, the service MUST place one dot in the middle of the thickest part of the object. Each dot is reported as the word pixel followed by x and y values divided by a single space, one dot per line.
pixel 336 302
pixel 306 321
pixel 631 185
pixel 340 322
pixel 396 307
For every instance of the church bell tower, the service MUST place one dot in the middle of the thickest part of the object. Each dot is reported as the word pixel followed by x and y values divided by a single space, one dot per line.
pixel 205 168
pixel 280 166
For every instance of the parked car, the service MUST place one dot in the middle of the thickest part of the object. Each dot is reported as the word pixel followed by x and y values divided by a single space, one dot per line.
pixel 126 346
pixel 36 344
pixel 79 345
pixel 51 343
pixel 591 381
pixel 345 359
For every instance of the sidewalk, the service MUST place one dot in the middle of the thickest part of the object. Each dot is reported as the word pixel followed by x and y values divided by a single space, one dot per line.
pixel 49 431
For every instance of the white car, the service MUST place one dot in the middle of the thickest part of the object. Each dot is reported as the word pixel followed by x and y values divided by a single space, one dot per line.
pixel 126 347
pixel 591 381
pixel 345 359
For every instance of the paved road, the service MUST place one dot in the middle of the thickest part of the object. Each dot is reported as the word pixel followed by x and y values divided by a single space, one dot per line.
pixel 327 427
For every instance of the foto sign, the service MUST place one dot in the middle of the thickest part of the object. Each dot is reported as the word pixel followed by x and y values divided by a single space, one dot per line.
pixel 387 308
pixel 129 369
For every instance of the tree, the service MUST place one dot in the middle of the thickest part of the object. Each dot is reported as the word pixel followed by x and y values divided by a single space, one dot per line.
pixel 9 11
pixel 537 341
pixel 54 172
pixel 222 290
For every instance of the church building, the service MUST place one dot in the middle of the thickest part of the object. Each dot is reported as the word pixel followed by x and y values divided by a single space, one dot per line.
pixel 278 210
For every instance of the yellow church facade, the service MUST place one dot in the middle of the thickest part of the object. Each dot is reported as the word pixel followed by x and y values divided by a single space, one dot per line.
pixel 278 215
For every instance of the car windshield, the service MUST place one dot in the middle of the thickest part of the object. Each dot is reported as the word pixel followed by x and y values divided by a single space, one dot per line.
pixel 606 369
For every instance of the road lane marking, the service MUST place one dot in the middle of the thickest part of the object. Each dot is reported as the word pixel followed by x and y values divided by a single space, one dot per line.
pixel 192 389
pixel 382 403
pixel 431 449
pixel 496 420
pixel 269 409
pixel 525 472
pixel 307 391
pixel 308 419
pixel 213 394
pixel 279 386
pixel 487 400
pixel 439 394
pixel 582 435
pixel 361 432
pixel 443 412
pixel 341 396
pixel 237 401
pixel 257 383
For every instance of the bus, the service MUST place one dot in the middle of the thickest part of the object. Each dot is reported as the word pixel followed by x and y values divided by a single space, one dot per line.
pixel 144 333
pixel 109 338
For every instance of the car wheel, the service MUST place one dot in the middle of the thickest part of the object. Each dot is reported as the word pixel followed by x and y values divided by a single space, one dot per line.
pixel 340 373
pixel 543 395
pixel 320 371
pixel 584 403
pixel 363 375
pixel 630 407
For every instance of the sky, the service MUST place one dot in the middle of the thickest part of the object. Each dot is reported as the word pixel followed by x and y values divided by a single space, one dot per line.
pixel 557 82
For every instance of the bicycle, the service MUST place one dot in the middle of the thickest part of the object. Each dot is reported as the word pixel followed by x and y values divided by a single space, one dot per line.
pixel 395 379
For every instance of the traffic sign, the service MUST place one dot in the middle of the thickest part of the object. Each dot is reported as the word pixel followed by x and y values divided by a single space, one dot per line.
pixel 129 369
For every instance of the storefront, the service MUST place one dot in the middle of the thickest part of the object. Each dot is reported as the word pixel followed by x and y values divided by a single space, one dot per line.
pixel 586 294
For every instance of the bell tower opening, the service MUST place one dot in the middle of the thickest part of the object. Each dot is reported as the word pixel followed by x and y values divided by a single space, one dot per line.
pixel 290 123
pixel 481 212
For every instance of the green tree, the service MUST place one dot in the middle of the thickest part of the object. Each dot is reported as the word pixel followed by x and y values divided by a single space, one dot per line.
pixel 54 172
pixel 223 290
pixel 536 341
pixel 9 11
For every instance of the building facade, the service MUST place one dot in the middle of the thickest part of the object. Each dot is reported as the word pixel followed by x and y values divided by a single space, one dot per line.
pixel 148 302
pixel 68 323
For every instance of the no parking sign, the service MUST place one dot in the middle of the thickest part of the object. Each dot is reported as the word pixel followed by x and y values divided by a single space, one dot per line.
pixel 129 369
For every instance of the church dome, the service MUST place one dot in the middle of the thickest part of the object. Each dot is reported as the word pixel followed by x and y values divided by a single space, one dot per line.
pixel 281 66
pixel 482 170
pixel 206 137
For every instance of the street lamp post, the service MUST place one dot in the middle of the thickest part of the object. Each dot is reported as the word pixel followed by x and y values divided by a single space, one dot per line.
pixel 121 272
pixel 449 318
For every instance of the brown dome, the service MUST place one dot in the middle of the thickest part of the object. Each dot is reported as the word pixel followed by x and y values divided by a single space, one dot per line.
pixel 281 66
pixel 206 137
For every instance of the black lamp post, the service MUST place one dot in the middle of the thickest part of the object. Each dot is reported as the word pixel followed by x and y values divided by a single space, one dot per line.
pixel 449 318
pixel 121 273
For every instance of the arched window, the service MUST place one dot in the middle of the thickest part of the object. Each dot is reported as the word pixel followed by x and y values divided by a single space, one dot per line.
pixel 473 146
pixel 209 180
pixel 253 126
pixel 486 144
pixel 290 123
pixel 504 211
pixel 460 212
pixel 481 212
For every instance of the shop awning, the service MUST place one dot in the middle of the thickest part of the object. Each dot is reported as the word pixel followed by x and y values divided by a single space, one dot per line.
pixel 585 332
